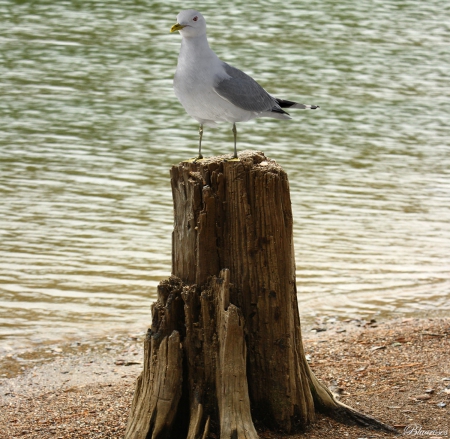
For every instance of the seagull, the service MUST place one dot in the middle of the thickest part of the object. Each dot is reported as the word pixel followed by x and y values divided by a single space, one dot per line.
pixel 211 90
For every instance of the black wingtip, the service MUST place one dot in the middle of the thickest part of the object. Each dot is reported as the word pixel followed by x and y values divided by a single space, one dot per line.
pixel 278 110
pixel 284 103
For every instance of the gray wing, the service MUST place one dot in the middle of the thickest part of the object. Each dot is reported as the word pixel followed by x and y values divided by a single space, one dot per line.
pixel 244 92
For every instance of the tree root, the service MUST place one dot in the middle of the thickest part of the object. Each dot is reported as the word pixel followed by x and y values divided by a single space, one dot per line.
pixel 345 414
pixel 325 402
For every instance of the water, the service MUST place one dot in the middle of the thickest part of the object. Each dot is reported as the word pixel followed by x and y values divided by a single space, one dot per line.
pixel 89 127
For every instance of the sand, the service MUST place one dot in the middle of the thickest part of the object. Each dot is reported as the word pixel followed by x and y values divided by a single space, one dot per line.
pixel 397 371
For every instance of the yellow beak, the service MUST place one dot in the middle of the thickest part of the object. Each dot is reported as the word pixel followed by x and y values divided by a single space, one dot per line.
pixel 176 27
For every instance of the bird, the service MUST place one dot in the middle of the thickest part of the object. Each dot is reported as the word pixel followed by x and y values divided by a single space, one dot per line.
pixel 210 90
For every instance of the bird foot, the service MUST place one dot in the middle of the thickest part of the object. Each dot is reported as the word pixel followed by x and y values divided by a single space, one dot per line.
pixel 234 159
pixel 194 159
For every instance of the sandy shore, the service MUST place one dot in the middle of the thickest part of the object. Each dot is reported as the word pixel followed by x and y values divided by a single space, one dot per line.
pixel 397 371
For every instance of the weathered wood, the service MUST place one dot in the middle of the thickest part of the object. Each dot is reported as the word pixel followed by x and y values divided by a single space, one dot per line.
pixel 158 389
pixel 231 374
pixel 232 302
pixel 238 215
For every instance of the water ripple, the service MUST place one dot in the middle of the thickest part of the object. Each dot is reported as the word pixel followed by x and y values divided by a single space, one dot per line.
pixel 90 127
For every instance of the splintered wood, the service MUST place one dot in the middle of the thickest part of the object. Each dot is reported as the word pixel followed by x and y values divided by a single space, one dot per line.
pixel 231 305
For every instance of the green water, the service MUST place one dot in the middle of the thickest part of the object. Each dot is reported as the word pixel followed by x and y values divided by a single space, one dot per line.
pixel 89 127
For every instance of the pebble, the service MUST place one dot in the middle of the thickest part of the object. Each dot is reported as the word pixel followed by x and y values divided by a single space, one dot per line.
pixel 422 397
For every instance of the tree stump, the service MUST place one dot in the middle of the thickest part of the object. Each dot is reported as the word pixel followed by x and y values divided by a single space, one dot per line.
pixel 225 349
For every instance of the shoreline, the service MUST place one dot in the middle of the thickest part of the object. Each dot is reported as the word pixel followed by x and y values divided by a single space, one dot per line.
pixel 395 370
pixel 20 361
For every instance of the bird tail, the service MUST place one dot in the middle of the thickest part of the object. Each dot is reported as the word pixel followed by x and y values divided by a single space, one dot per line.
pixel 290 104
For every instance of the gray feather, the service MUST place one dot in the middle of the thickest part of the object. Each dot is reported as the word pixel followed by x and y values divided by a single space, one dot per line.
pixel 244 92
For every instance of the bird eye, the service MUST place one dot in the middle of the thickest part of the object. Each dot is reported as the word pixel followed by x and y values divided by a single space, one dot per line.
pixel 195 18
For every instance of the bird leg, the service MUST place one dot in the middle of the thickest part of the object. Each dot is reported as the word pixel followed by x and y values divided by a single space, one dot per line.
pixel 200 132
pixel 235 132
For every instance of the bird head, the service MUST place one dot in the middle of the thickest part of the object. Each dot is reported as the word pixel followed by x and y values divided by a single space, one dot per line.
pixel 190 23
